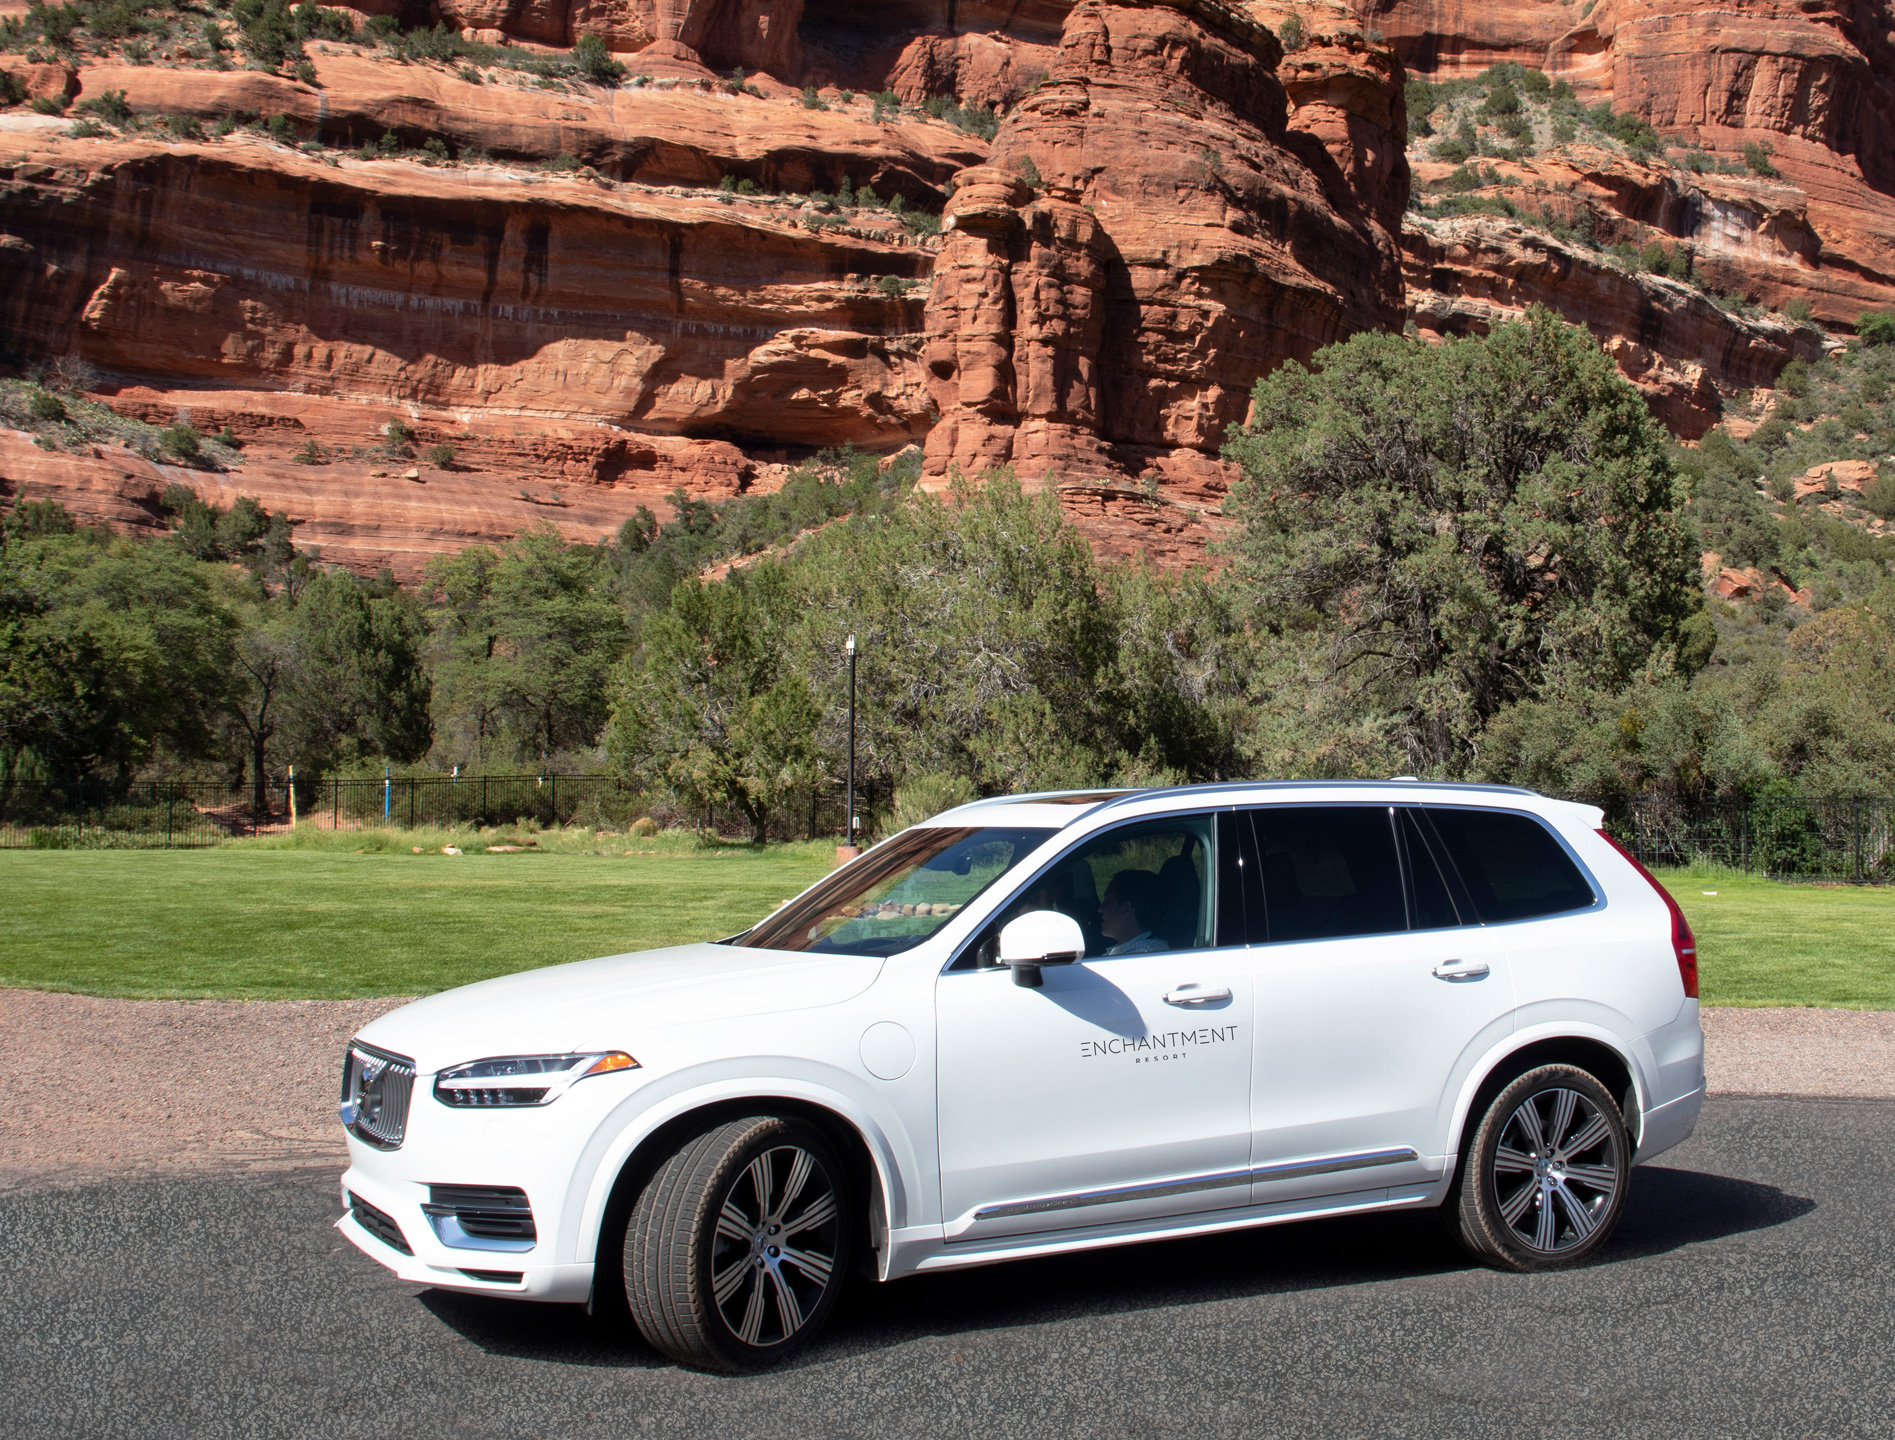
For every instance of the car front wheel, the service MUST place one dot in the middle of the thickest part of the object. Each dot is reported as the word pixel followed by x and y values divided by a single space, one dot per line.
pixel 736 1248
pixel 1544 1179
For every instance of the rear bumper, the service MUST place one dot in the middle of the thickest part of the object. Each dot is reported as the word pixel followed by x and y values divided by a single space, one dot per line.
pixel 1669 1124
pixel 436 1265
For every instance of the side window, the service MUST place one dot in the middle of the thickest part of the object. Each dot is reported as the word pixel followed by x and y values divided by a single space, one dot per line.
pixel 1431 906
pixel 1136 890
pixel 1510 864
pixel 1329 871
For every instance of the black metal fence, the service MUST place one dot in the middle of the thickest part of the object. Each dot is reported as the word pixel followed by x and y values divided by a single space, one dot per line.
pixel 1844 840
pixel 170 814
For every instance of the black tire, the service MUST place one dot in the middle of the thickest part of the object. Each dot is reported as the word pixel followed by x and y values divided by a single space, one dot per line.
pixel 1543 1180
pixel 710 1274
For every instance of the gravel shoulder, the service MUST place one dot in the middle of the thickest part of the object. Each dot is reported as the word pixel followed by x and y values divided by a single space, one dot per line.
pixel 100 1087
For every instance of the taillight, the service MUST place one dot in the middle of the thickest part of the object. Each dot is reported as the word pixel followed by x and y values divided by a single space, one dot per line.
pixel 1683 943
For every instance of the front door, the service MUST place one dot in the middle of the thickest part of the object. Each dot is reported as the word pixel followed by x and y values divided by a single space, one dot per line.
pixel 1119 1090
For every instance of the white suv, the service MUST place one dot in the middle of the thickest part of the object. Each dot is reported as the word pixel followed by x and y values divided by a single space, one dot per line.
pixel 1050 1023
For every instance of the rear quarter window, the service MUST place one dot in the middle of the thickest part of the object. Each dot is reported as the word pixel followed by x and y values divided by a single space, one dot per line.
pixel 1511 865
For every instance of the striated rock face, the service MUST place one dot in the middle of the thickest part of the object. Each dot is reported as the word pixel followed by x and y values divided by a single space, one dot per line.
pixel 1469 274
pixel 1812 79
pixel 1180 241
pixel 387 284
pixel 1171 208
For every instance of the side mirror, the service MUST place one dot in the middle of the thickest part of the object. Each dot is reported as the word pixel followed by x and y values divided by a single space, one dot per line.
pixel 1040 937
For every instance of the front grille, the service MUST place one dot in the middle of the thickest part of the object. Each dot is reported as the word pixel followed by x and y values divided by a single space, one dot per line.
pixel 378 1223
pixel 461 1096
pixel 481 1217
pixel 376 1088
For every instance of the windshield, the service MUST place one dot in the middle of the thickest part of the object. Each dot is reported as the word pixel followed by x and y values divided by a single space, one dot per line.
pixel 898 894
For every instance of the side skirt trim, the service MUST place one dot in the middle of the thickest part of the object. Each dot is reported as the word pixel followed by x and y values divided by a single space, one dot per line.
pixel 1191 1184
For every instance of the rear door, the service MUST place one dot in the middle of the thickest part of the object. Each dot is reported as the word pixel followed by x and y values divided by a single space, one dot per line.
pixel 1376 994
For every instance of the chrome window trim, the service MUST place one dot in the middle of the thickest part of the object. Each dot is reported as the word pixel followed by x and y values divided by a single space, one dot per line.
pixel 1071 842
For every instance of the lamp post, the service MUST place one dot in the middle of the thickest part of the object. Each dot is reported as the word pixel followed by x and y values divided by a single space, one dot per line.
pixel 848 850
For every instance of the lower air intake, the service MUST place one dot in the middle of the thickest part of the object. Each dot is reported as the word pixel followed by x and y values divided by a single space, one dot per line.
pixel 378 1223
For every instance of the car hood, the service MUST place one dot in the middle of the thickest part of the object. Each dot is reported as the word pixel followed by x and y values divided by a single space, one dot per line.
pixel 608 1004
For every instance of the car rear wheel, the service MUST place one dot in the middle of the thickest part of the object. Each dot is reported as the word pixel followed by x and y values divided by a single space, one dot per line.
pixel 1544 1178
pixel 736 1248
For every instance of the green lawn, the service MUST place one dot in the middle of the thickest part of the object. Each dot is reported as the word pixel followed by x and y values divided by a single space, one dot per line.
pixel 258 923
pixel 1763 943
pixel 318 920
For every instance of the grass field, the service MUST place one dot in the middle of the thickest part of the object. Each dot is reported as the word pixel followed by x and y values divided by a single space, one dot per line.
pixel 1763 943
pixel 256 921
pixel 313 918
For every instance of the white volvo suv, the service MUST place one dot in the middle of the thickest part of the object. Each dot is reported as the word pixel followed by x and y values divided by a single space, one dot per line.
pixel 1050 1023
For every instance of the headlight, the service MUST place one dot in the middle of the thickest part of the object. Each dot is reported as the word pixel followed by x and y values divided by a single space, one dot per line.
pixel 523 1079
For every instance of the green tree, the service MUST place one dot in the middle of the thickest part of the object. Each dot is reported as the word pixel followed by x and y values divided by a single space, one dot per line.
pixel 711 709
pixel 1463 524
pixel 524 639
pixel 109 648
pixel 359 685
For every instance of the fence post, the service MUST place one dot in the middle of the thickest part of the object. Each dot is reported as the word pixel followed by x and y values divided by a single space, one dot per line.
pixel 1856 819
pixel 411 802
pixel 555 798
pixel 335 803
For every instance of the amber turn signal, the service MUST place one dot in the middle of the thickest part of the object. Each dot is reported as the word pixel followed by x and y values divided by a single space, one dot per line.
pixel 605 1064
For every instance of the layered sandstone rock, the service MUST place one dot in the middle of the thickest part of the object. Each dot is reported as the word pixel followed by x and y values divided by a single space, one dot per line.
pixel 1147 240
pixel 1684 353
pixel 1812 79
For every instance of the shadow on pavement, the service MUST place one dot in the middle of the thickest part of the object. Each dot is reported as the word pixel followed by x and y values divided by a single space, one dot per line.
pixel 1667 1209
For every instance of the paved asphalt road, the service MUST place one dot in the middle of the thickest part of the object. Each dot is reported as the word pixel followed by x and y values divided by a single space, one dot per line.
pixel 1748 1293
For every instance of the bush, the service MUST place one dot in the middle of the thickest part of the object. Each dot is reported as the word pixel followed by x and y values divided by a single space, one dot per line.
pixel 184 127
pixel 1876 327
pixel 44 405
pixel 310 454
pixel 12 88
pixel 920 798
pixel 1793 378
pixel 1291 34
pixel 1452 151
pixel 109 107
pixel 48 104
pixel 595 62
pixel 441 456
pixel 1757 158
pixel 1502 99
pixel 436 148
pixel 280 128
pixel 1462 180
pixel 181 440
pixel 811 100
pixel 1878 496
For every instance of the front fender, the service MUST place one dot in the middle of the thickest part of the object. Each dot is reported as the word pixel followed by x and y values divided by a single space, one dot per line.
pixel 761 1079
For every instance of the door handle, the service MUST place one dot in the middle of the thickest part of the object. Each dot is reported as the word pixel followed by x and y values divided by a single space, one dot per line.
pixel 1196 994
pixel 1461 970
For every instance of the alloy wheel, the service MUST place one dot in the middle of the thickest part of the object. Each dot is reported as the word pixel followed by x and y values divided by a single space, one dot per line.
pixel 1555 1170
pixel 776 1244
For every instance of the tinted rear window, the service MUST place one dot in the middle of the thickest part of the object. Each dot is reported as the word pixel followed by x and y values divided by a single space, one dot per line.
pixel 1510 863
pixel 1329 871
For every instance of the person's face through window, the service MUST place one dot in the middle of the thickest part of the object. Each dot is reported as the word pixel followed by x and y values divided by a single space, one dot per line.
pixel 1117 920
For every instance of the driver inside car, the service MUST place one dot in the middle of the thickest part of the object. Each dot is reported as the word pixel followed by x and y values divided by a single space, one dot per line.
pixel 1130 913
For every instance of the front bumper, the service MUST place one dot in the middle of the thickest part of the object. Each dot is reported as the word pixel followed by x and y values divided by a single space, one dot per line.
pixel 445 1268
